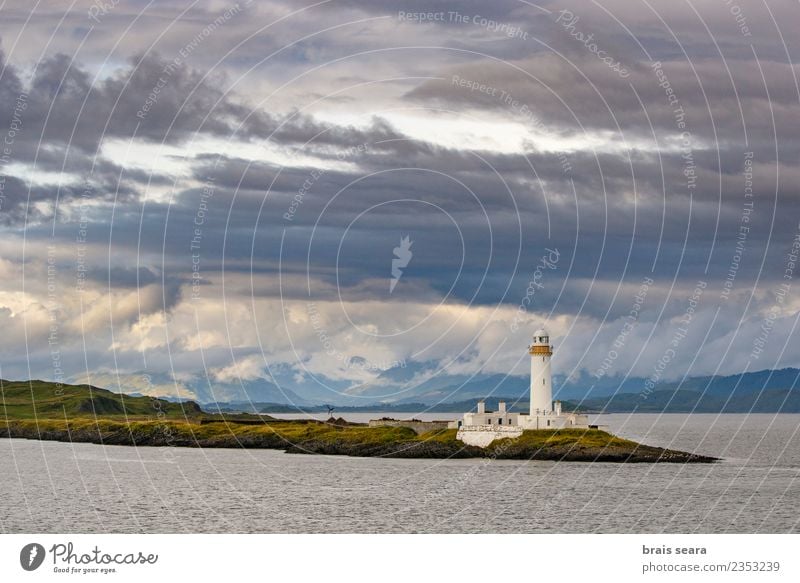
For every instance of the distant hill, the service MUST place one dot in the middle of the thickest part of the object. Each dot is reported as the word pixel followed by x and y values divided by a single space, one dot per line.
pixel 680 401
pixel 762 391
pixel 420 383
pixel 453 407
pixel 199 388
pixel 42 399
pixel 785 379
pixel 767 391
pixel 427 382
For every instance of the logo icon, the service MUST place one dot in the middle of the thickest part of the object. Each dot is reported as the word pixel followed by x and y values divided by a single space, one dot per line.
pixel 31 556
pixel 403 255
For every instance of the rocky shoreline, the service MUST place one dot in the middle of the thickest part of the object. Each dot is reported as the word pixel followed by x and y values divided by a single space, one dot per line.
pixel 348 441
pixel 638 454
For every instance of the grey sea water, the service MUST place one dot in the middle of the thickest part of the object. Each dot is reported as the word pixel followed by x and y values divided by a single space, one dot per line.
pixel 62 487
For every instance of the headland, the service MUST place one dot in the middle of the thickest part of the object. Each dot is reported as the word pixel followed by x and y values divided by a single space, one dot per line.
pixel 83 413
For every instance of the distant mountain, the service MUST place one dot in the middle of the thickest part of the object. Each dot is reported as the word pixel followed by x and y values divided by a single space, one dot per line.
pixel 258 390
pixel 763 380
pixel 452 407
pixel 480 386
pixel 762 391
pixel 424 385
pixel 756 392
pixel 198 388
pixel 766 391
pixel 428 383
pixel 771 401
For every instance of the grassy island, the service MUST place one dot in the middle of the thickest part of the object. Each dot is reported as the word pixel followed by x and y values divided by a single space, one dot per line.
pixel 82 413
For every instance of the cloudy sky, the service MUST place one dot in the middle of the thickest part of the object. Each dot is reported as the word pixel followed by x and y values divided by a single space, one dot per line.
pixel 215 192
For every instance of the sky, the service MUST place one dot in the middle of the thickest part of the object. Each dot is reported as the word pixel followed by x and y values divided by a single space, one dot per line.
pixel 195 194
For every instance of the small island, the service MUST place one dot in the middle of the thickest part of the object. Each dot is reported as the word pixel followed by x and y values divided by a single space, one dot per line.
pixel 83 413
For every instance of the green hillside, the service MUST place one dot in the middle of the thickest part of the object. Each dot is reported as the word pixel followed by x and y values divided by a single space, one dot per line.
pixel 87 414
pixel 42 399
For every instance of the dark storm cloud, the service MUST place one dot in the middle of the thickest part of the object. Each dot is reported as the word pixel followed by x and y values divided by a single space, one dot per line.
pixel 672 224
pixel 151 99
pixel 626 201
pixel 67 114
pixel 585 94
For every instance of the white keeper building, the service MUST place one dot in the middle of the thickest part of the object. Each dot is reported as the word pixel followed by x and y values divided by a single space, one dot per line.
pixel 544 412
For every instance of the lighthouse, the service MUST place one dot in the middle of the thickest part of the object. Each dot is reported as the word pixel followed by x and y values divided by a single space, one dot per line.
pixel 541 379
pixel 482 427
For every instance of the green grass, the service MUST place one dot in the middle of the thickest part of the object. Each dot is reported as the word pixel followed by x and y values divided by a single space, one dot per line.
pixel 571 437
pixel 43 400
pixel 46 406
pixel 294 432
pixel 50 411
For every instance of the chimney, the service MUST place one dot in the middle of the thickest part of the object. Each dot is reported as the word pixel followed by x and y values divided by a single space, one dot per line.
pixel 501 407
pixel 481 407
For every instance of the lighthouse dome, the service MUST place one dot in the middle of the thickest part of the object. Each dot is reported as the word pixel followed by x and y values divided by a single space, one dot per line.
pixel 541 336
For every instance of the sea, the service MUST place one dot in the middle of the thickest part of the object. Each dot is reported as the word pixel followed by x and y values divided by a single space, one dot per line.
pixel 53 487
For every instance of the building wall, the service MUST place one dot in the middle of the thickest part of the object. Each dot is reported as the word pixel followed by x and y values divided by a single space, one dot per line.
pixel 564 421
pixel 493 418
pixel 483 435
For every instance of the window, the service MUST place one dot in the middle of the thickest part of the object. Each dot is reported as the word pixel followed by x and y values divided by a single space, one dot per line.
pixel 500 421
pixel 488 422
pixel 543 381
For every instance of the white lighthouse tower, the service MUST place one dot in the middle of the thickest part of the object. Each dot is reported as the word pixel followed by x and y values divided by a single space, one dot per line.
pixel 541 378
pixel 482 427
